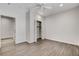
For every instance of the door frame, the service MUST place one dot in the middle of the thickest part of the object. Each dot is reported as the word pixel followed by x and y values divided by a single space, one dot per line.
pixel 35 30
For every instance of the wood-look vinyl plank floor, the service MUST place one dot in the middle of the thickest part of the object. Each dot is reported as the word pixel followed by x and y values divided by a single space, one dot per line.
pixel 42 48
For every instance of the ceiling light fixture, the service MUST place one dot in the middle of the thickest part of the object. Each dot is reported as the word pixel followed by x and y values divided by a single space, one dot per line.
pixel 61 5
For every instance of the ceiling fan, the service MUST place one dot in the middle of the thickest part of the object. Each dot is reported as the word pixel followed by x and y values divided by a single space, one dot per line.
pixel 43 6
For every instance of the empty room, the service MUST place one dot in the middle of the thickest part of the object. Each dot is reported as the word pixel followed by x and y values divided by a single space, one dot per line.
pixel 39 29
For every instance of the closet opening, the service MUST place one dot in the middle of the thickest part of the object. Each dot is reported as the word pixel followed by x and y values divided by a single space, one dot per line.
pixel 8 30
pixel 39 30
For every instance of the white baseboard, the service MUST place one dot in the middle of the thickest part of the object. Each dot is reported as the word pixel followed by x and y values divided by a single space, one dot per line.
pixel 64 41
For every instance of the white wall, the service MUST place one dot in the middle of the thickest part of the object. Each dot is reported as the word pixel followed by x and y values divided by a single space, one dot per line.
pixel 33 24
pixel 43 28
pixel 63 27
pixel 25 21
pixel 20 14
pixel 28 25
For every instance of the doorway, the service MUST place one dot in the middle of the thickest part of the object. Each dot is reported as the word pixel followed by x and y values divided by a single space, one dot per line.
pixel 7 31
pixel 39 31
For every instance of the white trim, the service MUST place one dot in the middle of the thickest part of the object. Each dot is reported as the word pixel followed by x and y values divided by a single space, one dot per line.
pixel 73 43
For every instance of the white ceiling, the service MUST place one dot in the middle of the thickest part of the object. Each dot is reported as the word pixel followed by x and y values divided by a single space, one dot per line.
pixel 44 12
pixel 56 8
pixel 22 5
